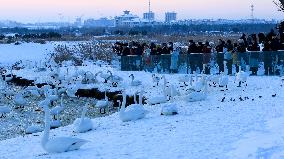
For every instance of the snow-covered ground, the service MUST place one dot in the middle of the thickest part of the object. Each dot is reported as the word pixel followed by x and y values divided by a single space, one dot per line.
pixel 10 53
pixel 252 128
pixel 243 122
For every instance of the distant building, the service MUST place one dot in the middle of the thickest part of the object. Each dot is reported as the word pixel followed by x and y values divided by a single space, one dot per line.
pixel 127 19
pixel 102 22
pixel 150 16
pixel 170 17
pixel 78 22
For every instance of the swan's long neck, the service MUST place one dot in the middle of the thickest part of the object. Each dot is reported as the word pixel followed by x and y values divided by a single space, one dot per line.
pixel 172 93
pixel 84 111
pixel 123 103
pixel 47 126
pixel 106 96
pixel 205 87
pixel 132 78
pixel 165 81
pixel 61 101
pixel 140 97
pixel 135 96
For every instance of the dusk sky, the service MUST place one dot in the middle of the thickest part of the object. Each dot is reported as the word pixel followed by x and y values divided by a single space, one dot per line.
pixel 68 10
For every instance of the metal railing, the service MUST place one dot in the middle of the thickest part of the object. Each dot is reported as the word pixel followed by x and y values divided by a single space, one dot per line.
pixel 186 63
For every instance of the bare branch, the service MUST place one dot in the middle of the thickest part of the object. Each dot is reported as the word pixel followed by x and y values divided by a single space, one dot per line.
pixel 279 4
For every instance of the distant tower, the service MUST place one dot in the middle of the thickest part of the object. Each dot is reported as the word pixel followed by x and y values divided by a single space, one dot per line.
pixel 252 11
pixel 150 16
pixel 149 6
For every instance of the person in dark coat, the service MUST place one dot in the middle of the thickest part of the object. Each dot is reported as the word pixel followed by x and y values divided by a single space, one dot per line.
pixel 220 55
pixel 193 57
pixel 242 53
pixel 267 58
pixel 206 57
pixel 254 56
pixel 228 56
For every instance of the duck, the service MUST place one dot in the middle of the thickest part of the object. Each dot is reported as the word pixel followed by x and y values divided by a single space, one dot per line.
pixel 170 108
pixel 133 112
pixel 58 109
pixel 102 104
pixel 83 124
pixel 135 82
pixel 58 144
pixel 4 109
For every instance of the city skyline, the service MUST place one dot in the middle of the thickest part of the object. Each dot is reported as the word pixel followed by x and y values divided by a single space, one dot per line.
pixel 67 10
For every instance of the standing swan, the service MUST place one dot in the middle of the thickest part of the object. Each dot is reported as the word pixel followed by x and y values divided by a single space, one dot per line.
pixel 59 144
pixel 132 112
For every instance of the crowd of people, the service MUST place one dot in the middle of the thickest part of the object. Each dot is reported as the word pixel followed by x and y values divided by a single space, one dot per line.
pixel 201 54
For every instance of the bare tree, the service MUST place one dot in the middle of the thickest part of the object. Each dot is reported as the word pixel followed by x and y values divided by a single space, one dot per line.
pixel 279 4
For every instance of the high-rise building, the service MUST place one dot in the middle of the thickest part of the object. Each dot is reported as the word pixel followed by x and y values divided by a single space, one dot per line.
pixel 150 16
pixel 170 17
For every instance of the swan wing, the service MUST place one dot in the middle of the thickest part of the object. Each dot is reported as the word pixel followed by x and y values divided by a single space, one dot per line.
pixel 64 144
pixel 133 112
pixel 81 126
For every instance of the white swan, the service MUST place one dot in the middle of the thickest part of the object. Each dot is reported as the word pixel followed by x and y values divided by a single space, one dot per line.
pixel 168 90
pixel 170 108
pixel 184 79
pixel 199 83
pixel 33 91
pixel 58 109
pixel 102 104
pixel 33 129
pixel 105 76
pixel 197 96
pixel 156 79
pixel 135 82
pixel 214 79
pixel 132 112
pixel 72 90
pixel 59 144
pixel 115 78
pixel 4 110
pixel 20 100
pixel 224 81
pixel 241 77
pixel 89 77
pixel 55 123
pixel 158 99
pixel 83 124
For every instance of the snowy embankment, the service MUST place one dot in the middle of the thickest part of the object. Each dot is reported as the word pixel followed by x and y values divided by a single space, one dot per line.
pixel 247 124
